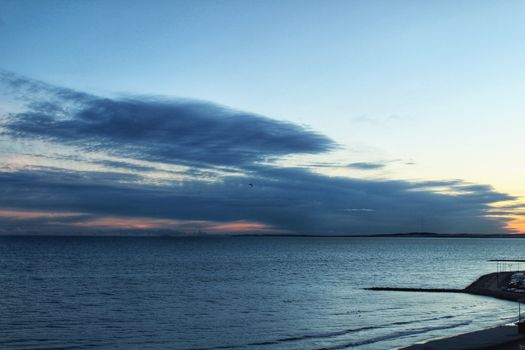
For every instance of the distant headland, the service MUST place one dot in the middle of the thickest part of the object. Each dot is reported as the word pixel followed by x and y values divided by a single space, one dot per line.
pixel 400 235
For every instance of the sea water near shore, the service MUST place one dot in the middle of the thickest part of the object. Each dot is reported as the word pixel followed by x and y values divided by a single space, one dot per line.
pixel 242 292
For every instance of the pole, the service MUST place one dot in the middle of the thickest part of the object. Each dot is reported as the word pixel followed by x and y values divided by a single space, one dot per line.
pixel 497 273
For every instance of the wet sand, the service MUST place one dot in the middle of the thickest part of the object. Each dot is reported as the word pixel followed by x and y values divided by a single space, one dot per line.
pixel 501 338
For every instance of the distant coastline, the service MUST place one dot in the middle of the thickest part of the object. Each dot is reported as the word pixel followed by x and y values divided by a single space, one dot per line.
pixel 399 235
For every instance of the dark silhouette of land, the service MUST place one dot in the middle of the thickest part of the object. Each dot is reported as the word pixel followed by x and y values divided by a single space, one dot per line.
pixel 400 235
pixel 491 285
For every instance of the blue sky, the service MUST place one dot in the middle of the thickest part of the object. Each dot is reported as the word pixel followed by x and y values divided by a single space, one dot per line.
pixel 393 94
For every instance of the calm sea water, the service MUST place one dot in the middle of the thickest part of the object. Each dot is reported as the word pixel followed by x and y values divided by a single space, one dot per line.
pixel 241 293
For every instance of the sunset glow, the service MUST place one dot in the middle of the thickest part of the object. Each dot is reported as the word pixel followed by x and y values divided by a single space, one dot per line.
pixel 28 215
pixel 84 220
pixel 190 226
pixel 517 225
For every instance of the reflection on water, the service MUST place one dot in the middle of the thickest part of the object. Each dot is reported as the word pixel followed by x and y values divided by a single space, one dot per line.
pixel 241 293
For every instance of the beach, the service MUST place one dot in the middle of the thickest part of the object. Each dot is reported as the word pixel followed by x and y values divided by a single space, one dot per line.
pixel 502 338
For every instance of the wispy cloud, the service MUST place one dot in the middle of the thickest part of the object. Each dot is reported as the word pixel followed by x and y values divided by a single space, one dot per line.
pixel 366 165
pixel 358 210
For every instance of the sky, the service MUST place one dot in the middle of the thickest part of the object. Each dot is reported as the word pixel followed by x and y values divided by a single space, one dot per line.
pixel 267 117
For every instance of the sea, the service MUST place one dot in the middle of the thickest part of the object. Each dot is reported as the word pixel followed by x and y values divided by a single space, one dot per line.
pixel 243 292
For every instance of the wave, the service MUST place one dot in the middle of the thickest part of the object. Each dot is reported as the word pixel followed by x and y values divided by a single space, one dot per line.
pixel 339 333
pixel 394 336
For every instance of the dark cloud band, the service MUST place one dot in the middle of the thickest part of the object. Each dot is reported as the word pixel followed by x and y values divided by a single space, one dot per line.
pixel 173 131
pixel 204 136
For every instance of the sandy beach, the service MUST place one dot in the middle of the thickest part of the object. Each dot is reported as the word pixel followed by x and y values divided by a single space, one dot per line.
pixel 501 338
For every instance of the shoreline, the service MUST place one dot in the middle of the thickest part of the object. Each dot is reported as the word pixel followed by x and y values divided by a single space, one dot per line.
pixel 503 337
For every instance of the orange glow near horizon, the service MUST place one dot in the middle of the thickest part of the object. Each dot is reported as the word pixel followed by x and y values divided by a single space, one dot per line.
pixel 238 226
pixel 180 225
pixel 127 223
pixel 141 223
pixel 29 214
pixel 138 223
pixel 517 225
